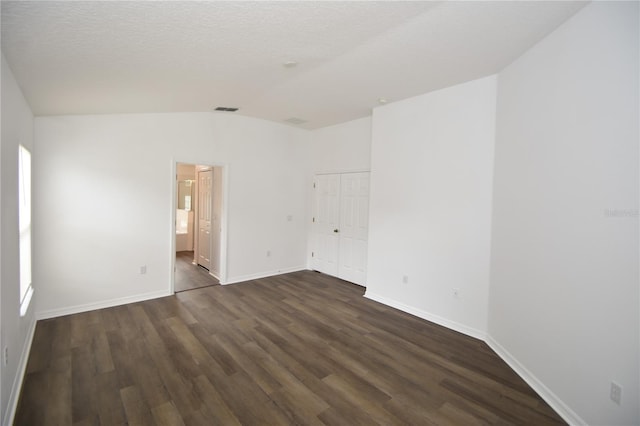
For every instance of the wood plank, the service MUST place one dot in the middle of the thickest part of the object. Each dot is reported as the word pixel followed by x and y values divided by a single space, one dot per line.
pixel 167 415
pixel 58 409
pixel 136 410
pixel 215 409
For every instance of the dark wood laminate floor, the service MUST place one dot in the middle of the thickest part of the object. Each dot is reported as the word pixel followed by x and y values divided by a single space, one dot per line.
pixel 189 276
pixel 300 348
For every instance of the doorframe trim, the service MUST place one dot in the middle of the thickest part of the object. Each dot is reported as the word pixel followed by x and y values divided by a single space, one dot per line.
pixel 341 172
pixel 224 246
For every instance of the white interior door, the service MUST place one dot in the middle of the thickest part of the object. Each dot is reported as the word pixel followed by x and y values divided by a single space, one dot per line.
pixel 341 219
pixel 205 181
pixel 326 224
pixel 354 227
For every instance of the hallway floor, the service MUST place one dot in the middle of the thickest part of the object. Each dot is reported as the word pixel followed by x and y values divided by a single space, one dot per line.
pixel 190 276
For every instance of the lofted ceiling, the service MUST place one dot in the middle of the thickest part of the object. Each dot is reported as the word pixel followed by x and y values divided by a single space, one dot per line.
pixel 88 57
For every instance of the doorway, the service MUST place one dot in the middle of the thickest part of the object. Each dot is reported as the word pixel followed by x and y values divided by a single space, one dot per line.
pixel 340 225
pixel 198 254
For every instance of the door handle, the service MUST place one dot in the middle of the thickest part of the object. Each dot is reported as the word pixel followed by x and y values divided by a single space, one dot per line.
pixel 336 231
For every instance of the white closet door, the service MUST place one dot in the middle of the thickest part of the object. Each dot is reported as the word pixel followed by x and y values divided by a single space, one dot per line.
pixel 341 219
pixel 354 225
pixel 326 224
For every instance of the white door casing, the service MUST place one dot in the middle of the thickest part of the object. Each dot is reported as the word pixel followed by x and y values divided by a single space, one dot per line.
pixel 326 224
pixel 216 224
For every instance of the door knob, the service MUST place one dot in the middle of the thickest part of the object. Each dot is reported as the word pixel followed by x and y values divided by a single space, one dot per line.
pixel 336 231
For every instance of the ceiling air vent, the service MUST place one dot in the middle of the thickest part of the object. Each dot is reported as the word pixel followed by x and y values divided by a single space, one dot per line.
pixel 228 109
pixel 296 121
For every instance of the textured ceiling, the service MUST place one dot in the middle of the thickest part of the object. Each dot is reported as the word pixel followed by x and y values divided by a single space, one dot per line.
pixel 76 57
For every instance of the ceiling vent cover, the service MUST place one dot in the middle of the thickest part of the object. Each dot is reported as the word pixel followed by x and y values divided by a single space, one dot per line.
pixel 296 121
pixel 228 109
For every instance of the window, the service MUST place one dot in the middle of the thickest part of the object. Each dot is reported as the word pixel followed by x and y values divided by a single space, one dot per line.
pixel 24 221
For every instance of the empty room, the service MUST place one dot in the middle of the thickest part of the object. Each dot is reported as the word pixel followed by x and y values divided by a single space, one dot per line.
pixel 320 212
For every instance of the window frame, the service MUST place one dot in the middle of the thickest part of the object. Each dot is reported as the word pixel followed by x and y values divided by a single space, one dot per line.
pixel 25 228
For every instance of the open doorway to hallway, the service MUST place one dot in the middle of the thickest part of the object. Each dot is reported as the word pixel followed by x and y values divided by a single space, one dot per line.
pixel 198 225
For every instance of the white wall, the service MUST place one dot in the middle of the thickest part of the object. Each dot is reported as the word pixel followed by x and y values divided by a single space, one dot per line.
pixel 564 274
pixel 342 148
pixel 106 191
pixel 15 331
pixel 430 208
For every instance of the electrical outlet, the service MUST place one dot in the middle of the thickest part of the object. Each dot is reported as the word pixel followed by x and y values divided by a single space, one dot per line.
pixel 456 293
pixel 616 393
pixel 5 356
pixel 405 279
pixel 143 269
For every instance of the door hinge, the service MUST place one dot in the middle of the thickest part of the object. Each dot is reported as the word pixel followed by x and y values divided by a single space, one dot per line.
pixel 313 219
pixel 311 254
pixel 314 185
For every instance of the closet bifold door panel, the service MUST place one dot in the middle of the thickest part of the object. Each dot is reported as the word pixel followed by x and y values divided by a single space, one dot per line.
pixel 340 225
pixel 353 229
pixel 326 223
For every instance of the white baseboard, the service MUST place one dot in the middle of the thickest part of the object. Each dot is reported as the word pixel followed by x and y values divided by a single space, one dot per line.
pixel 243 278
pixel 14 397
pixel 461 328
pixel 52 313
pixel 550 398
